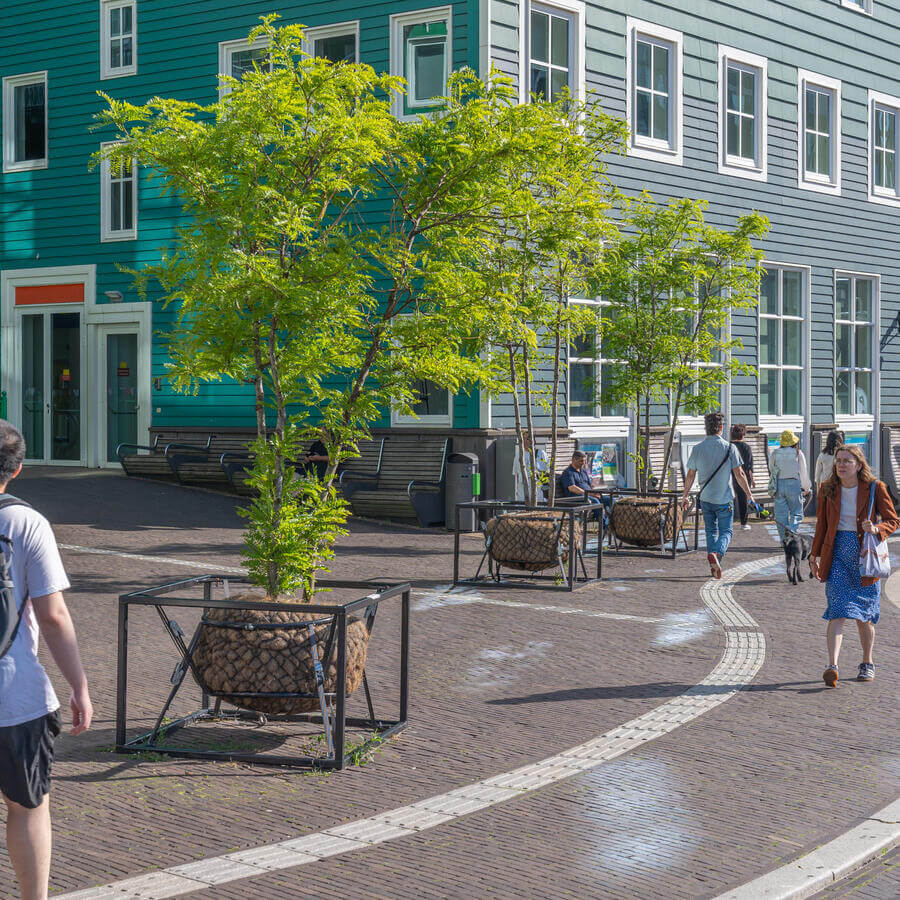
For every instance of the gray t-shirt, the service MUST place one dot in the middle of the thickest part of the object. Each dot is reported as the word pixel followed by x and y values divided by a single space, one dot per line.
pixel 25 689
pixel 705 457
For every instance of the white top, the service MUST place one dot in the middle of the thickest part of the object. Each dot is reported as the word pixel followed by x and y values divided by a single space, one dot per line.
pixel 847 521
pixel 786 462
pixel 542 463
pixel 824 467
pixel 25 689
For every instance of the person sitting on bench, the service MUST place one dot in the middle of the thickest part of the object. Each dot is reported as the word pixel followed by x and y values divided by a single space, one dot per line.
pixel 576 481
pixel 316 460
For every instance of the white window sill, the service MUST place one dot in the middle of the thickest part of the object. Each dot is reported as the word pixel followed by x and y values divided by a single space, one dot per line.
pixel 610 426
pixel 655 152
pixel 424 422
pixel 820 187
pixel 866 422
pixel 124 72
pixel 32 165
pixel 114 236
pixel 771 424
pixel 885 199
pixel 854 8
pixel 737 170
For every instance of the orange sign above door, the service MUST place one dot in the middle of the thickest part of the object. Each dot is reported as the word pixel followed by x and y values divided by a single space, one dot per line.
pixel 50 293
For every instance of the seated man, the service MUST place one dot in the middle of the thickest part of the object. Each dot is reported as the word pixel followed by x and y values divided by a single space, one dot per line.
pixel 315 462
pixel 576 482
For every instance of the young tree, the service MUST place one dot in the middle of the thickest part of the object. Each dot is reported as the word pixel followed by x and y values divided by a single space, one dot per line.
pixel 672 281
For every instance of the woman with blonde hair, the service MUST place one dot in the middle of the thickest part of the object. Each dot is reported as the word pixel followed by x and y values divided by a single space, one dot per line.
pixel 843 516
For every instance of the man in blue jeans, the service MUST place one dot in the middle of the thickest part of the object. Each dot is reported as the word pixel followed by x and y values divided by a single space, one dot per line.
pixel 715 460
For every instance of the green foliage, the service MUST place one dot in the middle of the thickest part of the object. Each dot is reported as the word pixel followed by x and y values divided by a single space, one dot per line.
pixel 672 281
pixel 294 520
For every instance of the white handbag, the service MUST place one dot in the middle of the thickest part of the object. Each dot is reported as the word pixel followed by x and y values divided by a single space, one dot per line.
pixel 874 556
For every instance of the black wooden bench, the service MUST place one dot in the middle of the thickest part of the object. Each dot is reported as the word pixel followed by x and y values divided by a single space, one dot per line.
pixel 362 472
pixel 151 460
pixel 195 465
pixel 409 483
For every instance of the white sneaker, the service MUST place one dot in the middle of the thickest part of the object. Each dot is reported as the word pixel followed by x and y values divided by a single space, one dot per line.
pixel 746 527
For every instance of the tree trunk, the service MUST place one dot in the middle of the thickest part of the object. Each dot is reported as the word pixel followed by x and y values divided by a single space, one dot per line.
pixel 554 405
pixel 646 448
pixel 514 382
pixel 526 378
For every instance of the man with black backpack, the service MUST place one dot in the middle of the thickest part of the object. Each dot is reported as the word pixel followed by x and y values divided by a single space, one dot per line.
pixel 32 580
pixel 716 460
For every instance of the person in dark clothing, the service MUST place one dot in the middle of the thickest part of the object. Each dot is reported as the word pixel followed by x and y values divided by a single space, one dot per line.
pixel 738 432
pixel 576 482
pixel 316 460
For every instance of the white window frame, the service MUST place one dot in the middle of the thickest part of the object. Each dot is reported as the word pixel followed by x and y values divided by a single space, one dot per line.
pixel 10 83
pixel 398 52
pixel 812 181
pixel 106 233
pixel 106 70
pixel 227 49
pixel 854 419
pixel 757 168
pixel 866 9
pixel 427 421
pixel 650 148
pixel 573 10
pixel 339 29
pixel 779 421
pixel 597 361
pixel 890 104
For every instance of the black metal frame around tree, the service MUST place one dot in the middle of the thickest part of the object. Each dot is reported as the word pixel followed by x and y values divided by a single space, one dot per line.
pixel 673 499
pixel 566 511
pixel 332 705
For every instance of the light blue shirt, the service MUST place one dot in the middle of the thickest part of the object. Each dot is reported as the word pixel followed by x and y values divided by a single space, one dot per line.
pixel 705 458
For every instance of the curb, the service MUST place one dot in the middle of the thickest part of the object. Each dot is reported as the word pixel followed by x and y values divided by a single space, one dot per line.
pixel 826 864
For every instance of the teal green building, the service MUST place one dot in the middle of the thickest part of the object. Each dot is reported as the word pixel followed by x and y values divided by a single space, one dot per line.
pixel 791 109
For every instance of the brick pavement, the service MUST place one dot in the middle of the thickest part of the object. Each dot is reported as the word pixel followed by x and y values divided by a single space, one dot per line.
pixel 739 791
pixel 879 880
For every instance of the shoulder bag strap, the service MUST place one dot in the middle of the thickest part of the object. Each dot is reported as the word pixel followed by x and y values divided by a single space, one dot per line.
pixel 871 499
pixel 7 586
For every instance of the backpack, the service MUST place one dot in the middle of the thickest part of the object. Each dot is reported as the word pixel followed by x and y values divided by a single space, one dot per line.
pixel 10 615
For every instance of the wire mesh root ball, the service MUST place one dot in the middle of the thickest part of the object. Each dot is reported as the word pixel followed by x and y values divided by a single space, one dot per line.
pixel 636 520
pixel 273 660
pixel 528 541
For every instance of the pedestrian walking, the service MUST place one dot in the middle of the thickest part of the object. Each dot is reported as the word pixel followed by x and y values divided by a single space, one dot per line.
pixel 738 432
pixel 716 461
pixel 845 511
pixel 788 480
pixel 29 710
pixel 825 460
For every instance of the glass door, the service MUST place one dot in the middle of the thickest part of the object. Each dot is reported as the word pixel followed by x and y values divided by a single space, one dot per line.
pixel 121 382
pixel 52 375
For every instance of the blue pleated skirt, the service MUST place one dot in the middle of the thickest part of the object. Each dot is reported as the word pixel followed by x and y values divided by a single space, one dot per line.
pixel 847 598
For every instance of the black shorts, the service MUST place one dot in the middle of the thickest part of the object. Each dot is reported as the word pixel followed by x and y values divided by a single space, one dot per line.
pixel 26 755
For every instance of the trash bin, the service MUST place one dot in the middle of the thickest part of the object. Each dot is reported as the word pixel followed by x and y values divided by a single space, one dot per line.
pixel 462 486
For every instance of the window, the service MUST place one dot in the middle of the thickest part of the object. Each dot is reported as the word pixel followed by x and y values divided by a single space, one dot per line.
pixel 742 114
pixel 555 41
pixel 237 58
pixel 782 351
pixel 25 122
pixel 118 201
pixel 118 38
pixel 863 6
pixel 433 406
pixel 884 118
pixel 854 345
pixel 819 132
pixel 421 51
pixel 587 366
pixel 654 107
pixel 339 43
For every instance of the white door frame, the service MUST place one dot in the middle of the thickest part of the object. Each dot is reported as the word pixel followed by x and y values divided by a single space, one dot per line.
pixel 100 333
pixel 94 315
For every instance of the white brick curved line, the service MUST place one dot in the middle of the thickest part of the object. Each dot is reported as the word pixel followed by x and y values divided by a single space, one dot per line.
pixel 745 650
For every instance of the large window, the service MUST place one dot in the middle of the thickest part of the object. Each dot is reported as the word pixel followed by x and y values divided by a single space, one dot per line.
pixel 782 351
pixel 819 161
pixel 555 50
pixel 884 133
pixel 421 51
pixel 118 199
pixel 854 345
pixel 433 406
pixel 118 38
pixel 237 58
pixel 654 68
pixel 339 43
pixel 25 122
pixel 587 365
pixel 742 113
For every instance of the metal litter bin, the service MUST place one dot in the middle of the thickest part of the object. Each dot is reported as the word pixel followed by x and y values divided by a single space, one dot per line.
pixel 463 484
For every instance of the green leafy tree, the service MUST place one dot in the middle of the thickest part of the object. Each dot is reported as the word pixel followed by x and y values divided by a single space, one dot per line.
pixel 672 281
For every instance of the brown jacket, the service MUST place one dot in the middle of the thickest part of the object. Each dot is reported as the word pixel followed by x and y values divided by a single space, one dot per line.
pixel 829 513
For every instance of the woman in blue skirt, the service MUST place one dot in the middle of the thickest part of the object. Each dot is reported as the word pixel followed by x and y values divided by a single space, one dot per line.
pixel 842 518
